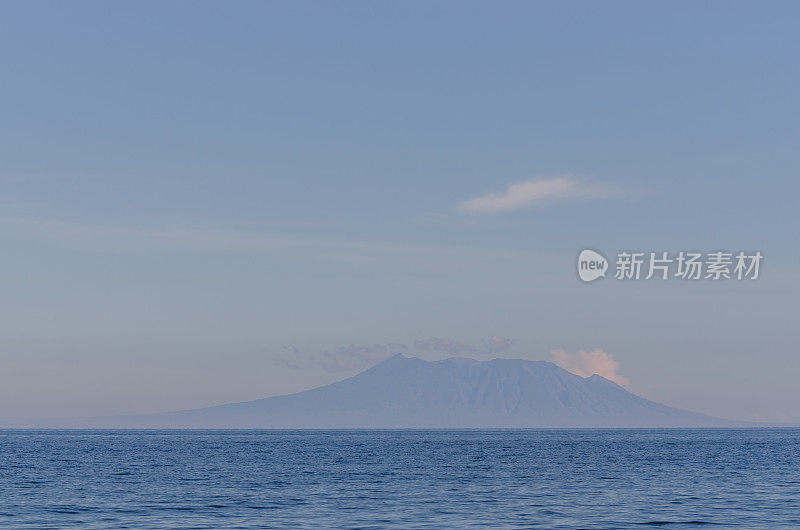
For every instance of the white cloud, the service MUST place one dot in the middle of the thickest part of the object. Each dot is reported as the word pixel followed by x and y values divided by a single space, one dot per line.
pixel 526 193
pixel 586 364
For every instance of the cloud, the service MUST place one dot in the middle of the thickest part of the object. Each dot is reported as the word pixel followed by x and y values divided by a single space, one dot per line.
pixel 345 359
pixel 487 346
pixel 288 360
pixel 585 364
pixel 117 238
pixel 147 239
pixel 497 344
pixel 526 193
pixel 443 345
pixel 352 358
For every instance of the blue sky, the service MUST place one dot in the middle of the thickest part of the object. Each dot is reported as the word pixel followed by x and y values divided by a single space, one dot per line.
pixel 202 202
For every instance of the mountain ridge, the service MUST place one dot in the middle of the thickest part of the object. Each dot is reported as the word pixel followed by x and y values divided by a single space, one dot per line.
pixel 409 392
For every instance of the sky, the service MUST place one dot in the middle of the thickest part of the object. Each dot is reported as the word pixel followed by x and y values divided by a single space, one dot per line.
pixel 207 202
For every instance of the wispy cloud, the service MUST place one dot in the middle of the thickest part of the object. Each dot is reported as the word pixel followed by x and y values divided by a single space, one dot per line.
pixel 127 239
pixel 491 345
pixel 444 345
pixel 354 357
pixel 118 238
pixel 586 364
pixel 497 344
pixel 529 192
pixel 344 359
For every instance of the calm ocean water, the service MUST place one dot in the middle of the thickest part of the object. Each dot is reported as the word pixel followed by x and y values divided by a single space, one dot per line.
pixel 400 479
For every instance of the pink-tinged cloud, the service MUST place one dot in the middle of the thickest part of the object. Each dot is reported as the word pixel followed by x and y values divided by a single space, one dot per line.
pixel 586 364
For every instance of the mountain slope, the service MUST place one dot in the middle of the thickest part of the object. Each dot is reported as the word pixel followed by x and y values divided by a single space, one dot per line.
pixel 404 392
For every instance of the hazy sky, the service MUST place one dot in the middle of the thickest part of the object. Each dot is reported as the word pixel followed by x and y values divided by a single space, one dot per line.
pixel 213 202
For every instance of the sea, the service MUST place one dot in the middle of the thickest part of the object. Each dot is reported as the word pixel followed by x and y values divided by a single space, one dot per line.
pixel 677 478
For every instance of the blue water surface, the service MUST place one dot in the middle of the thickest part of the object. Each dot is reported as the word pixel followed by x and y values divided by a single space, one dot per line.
pixel 747 478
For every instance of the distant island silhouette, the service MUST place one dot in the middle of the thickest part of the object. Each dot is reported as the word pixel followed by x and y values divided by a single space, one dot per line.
pixel 408 392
